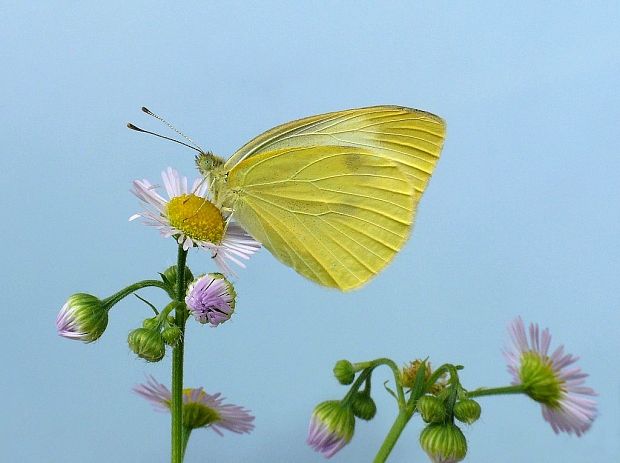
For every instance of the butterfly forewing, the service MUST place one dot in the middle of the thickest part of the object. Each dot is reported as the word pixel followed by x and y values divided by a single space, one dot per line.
pixel 336 214
pixel 411 138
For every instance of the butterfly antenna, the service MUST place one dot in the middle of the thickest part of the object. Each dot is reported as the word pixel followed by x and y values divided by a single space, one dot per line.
pixel 172 127
pixel 138 129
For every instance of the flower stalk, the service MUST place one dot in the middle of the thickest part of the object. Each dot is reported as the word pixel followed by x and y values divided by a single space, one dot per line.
pixel 178 441
pixel 396 430
pixel 123 293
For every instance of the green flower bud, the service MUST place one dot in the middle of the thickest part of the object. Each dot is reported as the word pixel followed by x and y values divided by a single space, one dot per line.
pixel 147 344
pixel 151 323
pixel 172 335
pixel 432 409
pixel 443 443
pixel 344 372
pixel 169 277
pixel 363 406
pixel 467 411
pixel 83 317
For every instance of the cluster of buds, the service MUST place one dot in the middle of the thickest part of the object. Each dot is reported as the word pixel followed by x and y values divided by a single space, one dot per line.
pixel 441 439
pixel 547 377
pixel 149 341
pixel 438 401
pixel 209 298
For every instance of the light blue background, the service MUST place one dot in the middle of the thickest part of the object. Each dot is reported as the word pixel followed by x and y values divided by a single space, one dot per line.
pixel 522 215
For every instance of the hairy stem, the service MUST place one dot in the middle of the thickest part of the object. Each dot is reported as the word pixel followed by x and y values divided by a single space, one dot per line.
pixel 390 440
pixel 178 442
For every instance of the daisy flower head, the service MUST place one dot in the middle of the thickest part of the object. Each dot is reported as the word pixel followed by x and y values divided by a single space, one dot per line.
pixel 550 379
pixel 200 409
pixel 193 220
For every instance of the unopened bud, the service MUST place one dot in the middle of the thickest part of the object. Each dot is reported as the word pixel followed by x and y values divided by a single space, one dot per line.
pixel 467 411
pixel 363 406
pixel 171 335
pixel 83 317
pixel 443 443
pixel 344 372
pixel 432 409
pixel 147 344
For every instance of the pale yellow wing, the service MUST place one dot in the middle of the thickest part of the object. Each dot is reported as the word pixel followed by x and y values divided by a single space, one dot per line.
pixel 336 214
pixel 409 137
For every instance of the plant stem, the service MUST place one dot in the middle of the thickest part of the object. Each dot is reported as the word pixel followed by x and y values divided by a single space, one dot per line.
pixel 390 363
pixel 390 440
pixel 114 298
pixel 518 389
pixel 177 364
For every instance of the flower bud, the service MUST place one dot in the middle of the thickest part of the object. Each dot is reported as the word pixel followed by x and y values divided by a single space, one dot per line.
pixel 83 317
pixel 147 344
pixel 363 406
pixel 443 443
pixel 432 409
pixel 344 372
pixel 171 335
pixel 467 411
pixel 331 427
pixel 170 279
pixel 211 299
pixel 151 323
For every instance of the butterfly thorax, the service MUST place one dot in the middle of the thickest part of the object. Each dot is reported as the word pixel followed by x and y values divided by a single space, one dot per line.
pixel 212 168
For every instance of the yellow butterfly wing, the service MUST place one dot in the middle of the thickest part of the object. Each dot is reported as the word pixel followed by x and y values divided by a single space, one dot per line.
pixel 335 214
pixel 411 138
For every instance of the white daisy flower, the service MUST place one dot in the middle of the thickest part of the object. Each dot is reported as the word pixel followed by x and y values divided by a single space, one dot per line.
pixel 193 220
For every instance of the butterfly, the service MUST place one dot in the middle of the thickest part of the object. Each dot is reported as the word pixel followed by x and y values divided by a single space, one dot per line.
pixel 332 196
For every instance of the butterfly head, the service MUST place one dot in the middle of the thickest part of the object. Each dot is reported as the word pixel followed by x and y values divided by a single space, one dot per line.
pixel 208 163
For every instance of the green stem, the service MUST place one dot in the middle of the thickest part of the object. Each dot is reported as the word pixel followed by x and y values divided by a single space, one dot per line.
pixel 395 370
pixel 177 364
pixel 518 389
pixel 356 385
pixel 114 298
pixel 390 440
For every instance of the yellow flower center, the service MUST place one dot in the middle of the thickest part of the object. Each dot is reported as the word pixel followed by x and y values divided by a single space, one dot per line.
pixel 196 217
pixel 539 379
